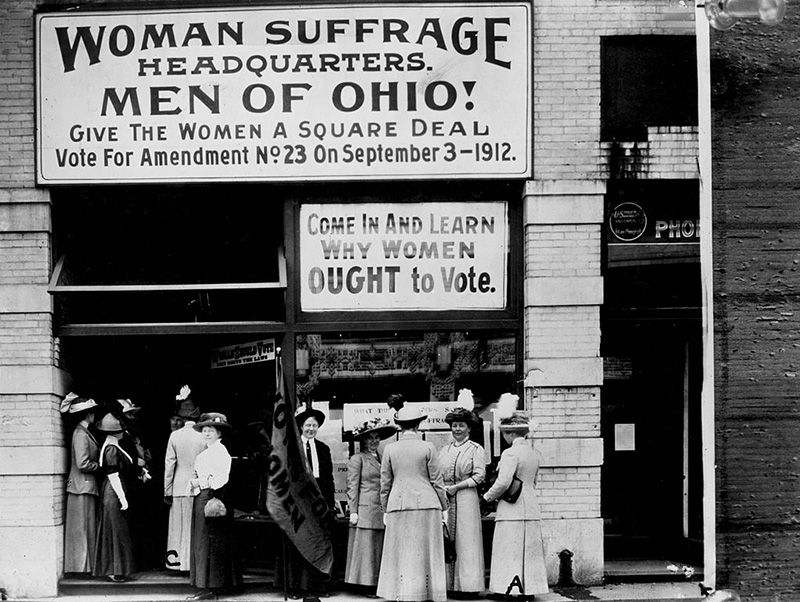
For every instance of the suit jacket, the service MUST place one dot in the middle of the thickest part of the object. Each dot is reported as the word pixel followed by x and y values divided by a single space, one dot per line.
pixel 521 461
pixel 410 478
pixel 325 480
pixel 183 447
pixel 85 455
pixel 364 490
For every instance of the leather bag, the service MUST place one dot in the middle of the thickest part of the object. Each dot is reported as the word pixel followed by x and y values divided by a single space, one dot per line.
pixel 513 492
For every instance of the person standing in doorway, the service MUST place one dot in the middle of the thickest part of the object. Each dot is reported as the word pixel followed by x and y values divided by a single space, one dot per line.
pixel 214 566
pixel 80 529
pixel 183 447
pixel 114 556
pixel 414 501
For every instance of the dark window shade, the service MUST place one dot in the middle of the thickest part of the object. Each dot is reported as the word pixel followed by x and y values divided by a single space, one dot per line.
pixel 646 81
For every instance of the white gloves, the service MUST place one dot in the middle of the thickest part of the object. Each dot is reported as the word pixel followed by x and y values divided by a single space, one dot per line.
pixel 354 518
pixel 116 485
pixel 444 516
pixel 384 518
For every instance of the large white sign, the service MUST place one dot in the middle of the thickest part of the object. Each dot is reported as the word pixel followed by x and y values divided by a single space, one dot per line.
pixel 403 256
pixel 368 91
pixel 356 413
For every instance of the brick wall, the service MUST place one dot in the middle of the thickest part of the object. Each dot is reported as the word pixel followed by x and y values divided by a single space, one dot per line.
pixel 756 159
pixel 566 47
pixel 32 455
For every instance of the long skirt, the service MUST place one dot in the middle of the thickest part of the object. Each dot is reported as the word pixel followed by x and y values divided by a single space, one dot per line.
pixel 412 563
pixel 80 533
pixel 114 551
pixel 213 561
pixel 468 572
pixel 364 547
pixel 518 566
pixel 179 534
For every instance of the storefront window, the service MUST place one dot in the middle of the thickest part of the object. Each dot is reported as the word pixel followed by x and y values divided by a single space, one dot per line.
pixel 346 368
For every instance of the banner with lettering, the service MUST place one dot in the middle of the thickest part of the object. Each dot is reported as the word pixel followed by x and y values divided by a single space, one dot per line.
pixel 403 256
pixel 285 93
pixel 294 500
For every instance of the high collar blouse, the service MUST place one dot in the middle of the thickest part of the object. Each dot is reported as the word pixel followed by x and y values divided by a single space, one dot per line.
pixel 213 466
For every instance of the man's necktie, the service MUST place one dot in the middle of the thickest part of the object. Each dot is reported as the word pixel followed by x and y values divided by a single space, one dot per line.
pixel 308 457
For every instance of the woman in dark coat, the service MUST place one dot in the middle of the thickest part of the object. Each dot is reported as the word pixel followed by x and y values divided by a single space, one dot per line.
pixel 365 540
pixel 80 530
pixel 214 567
pixel 114 552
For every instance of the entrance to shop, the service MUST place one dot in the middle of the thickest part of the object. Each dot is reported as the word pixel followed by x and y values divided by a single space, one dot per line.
pixel 651 488
pixel 150 370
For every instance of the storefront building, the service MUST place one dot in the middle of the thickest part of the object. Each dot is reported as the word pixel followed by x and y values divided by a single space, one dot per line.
pixel 412 198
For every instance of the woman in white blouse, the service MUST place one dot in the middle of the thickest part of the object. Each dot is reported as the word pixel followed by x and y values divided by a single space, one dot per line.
pixel 213 566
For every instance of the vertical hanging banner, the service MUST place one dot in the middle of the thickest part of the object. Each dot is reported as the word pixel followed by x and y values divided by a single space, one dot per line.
pixel 293 93
pixel 403 256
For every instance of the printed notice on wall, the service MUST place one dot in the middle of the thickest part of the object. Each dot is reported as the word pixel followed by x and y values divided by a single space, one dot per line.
pixel 395 256
pixel 293 93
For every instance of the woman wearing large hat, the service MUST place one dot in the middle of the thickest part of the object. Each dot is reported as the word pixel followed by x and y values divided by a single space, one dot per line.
pixel 214 567
pixel 413 499
pixel 80 529
pixel 365 540
pixel 517 563
pixel 114 556
pixel 462 463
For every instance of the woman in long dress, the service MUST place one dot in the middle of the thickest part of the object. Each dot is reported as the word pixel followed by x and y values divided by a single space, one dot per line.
pixel 80 531
pixel 214 568
pixel 462 463
pixel 365 539
pixel 114 557
pixel 413 499
pixel 518 566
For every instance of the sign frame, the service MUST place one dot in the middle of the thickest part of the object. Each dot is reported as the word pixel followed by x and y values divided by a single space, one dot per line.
pixel 489 169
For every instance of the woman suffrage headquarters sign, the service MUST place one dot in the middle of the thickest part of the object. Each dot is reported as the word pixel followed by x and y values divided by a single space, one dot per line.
pixel 368 91
pixel 392 256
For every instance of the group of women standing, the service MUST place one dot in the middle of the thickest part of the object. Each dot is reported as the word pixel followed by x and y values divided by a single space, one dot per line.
pixel 98 536
pixel 399 501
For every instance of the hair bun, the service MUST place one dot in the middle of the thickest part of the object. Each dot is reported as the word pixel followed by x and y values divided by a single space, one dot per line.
pixel 396 401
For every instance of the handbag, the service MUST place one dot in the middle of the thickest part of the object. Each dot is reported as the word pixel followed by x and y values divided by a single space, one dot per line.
pixel 513 492
pixel 214 508
pixel 449 545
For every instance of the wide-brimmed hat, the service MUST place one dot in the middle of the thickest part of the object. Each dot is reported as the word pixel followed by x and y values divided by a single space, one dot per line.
pixel 110 424
pixel 214 419
pixel 382 426
pixel 127 406
pixel 74 404
pixel 462 415
pixel 306 412
pixel 188 409
pixel 408 416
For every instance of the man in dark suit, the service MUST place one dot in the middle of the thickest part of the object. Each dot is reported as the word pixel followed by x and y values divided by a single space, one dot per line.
pixel 301 579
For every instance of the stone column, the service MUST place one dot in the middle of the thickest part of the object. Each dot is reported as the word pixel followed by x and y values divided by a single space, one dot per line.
pixel 563 294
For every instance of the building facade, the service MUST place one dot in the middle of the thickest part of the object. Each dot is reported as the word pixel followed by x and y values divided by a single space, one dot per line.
pixel 123 283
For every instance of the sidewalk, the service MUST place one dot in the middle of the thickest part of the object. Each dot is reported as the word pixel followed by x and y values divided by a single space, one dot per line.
pixel 628 592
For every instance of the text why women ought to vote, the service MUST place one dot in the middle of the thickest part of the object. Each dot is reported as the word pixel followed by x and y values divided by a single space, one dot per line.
pixel 339 243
